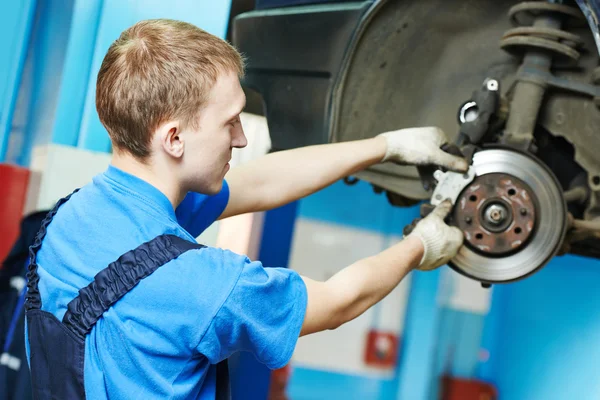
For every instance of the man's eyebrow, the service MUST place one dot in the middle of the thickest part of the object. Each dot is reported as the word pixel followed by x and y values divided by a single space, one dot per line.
pixel 237 114
pixel 234 117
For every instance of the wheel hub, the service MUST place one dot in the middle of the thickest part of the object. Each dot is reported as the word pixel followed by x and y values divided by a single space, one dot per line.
pixel 496 212
pixel 513 216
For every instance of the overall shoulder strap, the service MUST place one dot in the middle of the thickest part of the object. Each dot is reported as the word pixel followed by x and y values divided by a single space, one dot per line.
pixel 223 389
pixel 33 299
pixel 122 275
pixel 119 278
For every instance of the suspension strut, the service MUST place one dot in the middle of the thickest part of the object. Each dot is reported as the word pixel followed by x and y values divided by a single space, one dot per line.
pixel 541 39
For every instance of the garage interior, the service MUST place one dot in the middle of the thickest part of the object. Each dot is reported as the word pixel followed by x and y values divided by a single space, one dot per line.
pixel 516 86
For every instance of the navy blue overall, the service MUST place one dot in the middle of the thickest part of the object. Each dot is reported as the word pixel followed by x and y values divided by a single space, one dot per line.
pixel 57 349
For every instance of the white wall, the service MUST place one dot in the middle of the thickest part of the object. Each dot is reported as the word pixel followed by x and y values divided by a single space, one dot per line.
pixel 321 249
pixel 58 170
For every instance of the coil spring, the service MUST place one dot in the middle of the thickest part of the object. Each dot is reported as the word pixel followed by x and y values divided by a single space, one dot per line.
pixel 527 36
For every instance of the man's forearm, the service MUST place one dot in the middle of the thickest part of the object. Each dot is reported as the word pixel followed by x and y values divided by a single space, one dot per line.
pixel 282 177
pixel 368 281
pixel 350 292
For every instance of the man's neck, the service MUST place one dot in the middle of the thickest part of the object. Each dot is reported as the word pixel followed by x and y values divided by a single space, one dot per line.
pixel 151 174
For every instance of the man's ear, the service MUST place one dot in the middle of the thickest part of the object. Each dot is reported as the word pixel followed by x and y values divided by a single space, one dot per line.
pixel 170 139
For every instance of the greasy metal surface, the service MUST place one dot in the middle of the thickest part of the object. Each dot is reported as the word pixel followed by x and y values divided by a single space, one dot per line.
pixel 556 34
pixel 526 12
pixel 523 43
pixel 450 185
pixel 295 32
pixel 294 55
pixel 410 63
pixel 406 74
pixel 555 82
pixel 591 10
pixel 545 34
pixel 578 194
pixel 576 118
pixel 550 220
pixel 416 63
pixel 527 96
pixel 407 63
pixel 479 209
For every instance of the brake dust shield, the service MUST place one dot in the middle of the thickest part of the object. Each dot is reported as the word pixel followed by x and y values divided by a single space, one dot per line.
pixel 513 216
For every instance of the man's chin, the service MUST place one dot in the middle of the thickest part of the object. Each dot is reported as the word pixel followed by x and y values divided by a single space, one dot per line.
pixel 216 188
pixel 208 190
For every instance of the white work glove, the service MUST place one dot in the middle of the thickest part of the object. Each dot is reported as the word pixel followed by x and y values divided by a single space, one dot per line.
pixel 421 146
pixel 440 241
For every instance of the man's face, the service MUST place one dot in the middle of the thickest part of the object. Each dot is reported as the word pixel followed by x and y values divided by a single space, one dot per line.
pixel 208 149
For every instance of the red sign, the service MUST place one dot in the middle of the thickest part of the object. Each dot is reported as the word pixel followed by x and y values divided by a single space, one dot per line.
pixel 382 349
pixel 13 192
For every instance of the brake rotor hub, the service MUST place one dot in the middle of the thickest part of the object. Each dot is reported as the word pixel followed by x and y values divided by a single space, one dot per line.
pixel 513 216
pixel 496 212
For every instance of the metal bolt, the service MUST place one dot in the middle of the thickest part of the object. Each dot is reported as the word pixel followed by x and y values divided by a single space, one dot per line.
pixel 468 220
pixel 495 214
pixel 523 211
pixel 492 85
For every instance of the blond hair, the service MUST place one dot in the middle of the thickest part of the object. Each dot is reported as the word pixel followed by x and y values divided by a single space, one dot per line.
pixel 156 71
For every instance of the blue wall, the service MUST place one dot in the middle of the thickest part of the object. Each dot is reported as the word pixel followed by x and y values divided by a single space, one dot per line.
pixel 16 20
pixel 37 97
pixel 417 372
pixel 69 39
pixel 309 384
pixel 543 334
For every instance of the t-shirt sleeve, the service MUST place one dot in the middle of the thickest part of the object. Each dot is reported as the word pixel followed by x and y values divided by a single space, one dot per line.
pixel 198 211
pixel 263 315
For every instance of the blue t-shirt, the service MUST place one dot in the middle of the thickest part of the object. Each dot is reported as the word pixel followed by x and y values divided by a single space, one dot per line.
pixel 164 337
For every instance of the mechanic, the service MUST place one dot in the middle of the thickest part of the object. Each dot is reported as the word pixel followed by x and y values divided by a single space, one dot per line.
pixel 123 303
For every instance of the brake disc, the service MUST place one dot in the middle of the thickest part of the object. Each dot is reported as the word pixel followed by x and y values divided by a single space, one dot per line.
pixel 513 216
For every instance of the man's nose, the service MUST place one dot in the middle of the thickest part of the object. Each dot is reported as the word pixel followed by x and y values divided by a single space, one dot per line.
pixel 239 139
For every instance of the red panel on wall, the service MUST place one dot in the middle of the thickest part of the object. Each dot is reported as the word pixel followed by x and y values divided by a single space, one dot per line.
pixel 13 191
pixel 467 389
pixel 381 349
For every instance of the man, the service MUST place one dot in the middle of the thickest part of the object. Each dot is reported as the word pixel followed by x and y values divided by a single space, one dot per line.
pixel 122 302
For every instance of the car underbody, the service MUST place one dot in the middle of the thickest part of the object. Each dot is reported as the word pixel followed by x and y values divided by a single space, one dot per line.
pixel 515 85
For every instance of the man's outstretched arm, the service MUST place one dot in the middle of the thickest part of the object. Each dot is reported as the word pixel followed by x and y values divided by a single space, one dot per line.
pixel 282 177
pixel 356 288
